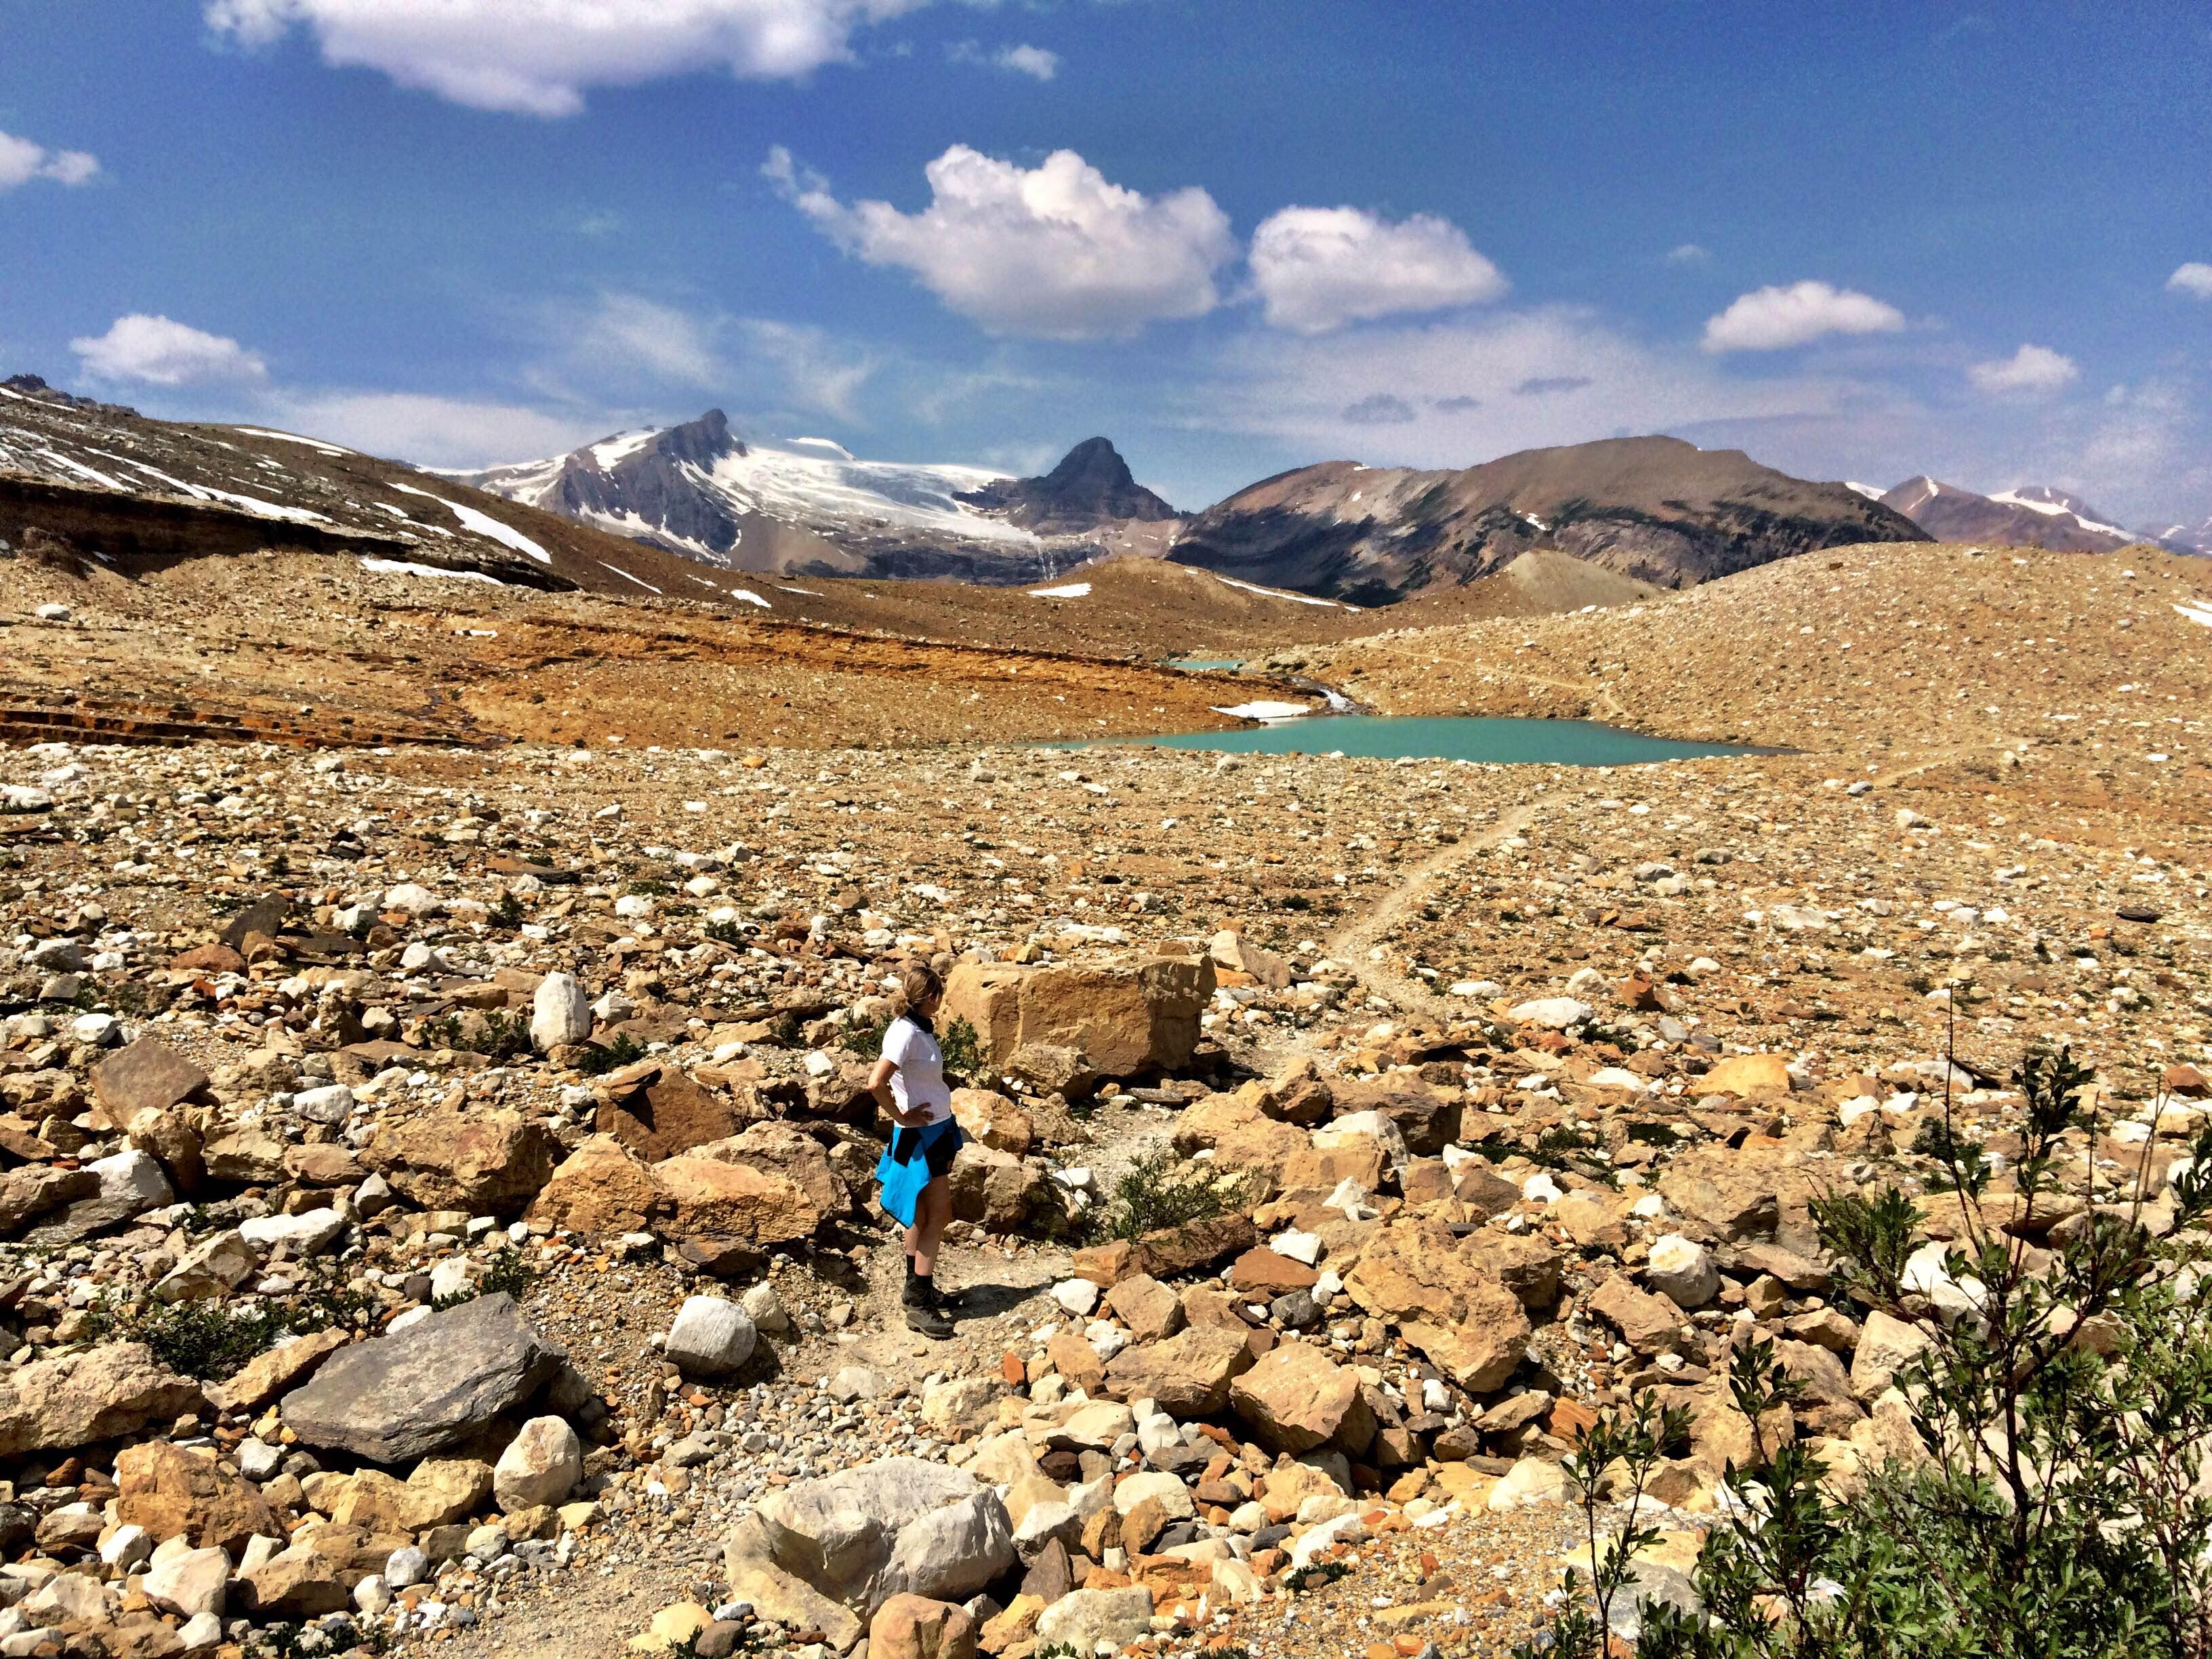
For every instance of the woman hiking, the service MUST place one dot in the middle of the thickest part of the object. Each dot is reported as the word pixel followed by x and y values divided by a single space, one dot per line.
pixel 916 1168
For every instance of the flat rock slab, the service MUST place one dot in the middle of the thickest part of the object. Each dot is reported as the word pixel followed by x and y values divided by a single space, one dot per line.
pixel 148 1075
pixel 401 1397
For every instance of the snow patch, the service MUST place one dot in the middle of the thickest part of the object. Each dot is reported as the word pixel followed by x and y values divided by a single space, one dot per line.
pixel 484 524
pixel 403 568
pixel 1866 490
pixel 292 438
pixel 1070 591
pixel 626 576
pixel 1278 594
pixel 609 451
pixel 2196 610
pixel 750 597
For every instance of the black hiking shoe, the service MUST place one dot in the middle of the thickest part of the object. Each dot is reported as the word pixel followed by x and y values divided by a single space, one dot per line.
pixel 925 1309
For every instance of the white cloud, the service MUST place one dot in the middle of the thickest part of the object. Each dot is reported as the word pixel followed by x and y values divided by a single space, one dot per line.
pixel 540 58
pixel 2194 278
pixel 1689 253
pixel 2031 368
pixel 1318 268
pixel 1034 61
pixel 1056 251
pixel 433 431
pixel 161 352
pixel 1770 319
pixel 21 160
pixel 816 371
pixel 659 341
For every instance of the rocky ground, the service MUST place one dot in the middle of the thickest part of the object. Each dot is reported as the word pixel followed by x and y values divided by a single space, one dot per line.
pixel 435 1180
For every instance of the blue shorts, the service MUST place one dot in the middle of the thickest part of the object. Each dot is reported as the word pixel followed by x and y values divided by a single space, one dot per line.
pixel 914 1159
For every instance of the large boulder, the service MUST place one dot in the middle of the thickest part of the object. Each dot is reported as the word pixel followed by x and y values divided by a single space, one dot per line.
pixel 782 1148
pixel 102 1394
pixel 131 1182
pixel 750 1570
pixel 484 1163
pixel 146 1076
pixel 600 1188
pixel 658 1111
pixel 1296 1398
pixel 175 1491
pixel 426 1387
pixel 440 1490
pixel 711 1336
pixel 1126 1019
pixel 1483 1348
pixel 1189 1374
pixel 1087 1619
pixel 901 1525
pixel 541 1465
pixel 709 1197
pixel 915 1627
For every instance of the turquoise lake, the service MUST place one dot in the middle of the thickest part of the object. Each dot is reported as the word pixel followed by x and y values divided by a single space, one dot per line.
pixel 1467 738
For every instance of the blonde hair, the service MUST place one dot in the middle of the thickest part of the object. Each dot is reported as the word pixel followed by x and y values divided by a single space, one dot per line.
pixel 918 983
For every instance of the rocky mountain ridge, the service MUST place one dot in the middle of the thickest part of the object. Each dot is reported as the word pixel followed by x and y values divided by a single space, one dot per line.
pixel 2029 515
pixel 1655 509
pixel 807 507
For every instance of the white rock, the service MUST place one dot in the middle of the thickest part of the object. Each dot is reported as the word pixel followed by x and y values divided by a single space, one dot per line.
pixel 541 1465
pixel 411 897
pixel 1298 1247
pixel 560 1013
pixel 1078 1296
pixel 765 1308
pixel 308 1233
pixel 333 1103
pixel 189 1582
pixel 711 1337
pixel 1556 1012
pixel 1683 1270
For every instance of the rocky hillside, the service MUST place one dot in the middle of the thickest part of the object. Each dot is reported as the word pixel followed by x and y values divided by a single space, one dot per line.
pixel 1655 509
pixel 808 507
pixel 2032 515
pixel 81 478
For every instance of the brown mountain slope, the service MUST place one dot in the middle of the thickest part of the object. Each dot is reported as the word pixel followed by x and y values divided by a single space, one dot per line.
pixel 137 492
pixel 1657 509
pixel 2034 515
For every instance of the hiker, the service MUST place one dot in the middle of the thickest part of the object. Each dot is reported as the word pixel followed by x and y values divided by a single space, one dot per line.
pixel 916 1168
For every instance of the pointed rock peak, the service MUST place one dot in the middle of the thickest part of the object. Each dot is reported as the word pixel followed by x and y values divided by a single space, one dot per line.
pixel 703 440
pixel 1094 462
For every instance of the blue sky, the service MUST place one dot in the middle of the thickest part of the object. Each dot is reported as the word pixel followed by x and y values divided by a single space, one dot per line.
pixel 1235 235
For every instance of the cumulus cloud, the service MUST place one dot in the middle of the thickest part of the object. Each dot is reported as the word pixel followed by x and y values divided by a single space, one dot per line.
pixel 161 352
pixel 1771 319
pixel 1056 252
pixel 21 160
pixel 2194 278
pixel 1317 269
pixel 2031 369
pixel 1036 62
pixel 542 61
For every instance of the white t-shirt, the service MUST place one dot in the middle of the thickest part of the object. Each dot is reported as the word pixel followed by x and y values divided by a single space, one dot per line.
pixel 919 1084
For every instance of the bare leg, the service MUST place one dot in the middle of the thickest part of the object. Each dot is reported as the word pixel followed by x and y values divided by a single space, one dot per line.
pixel 931 1210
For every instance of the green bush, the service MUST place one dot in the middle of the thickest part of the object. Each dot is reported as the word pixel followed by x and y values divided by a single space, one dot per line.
pixel 598 1060
pixel 2061 1513
pixel 1161 1189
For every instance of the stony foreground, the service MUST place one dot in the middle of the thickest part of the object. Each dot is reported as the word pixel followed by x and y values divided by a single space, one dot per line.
pixel 435 1200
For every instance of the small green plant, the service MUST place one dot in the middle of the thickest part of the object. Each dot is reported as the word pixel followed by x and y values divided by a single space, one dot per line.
pixel 786 1031
pixel 646 888
pixel 866 1040
pixel 509 1273
pixel 2054 1506
pixel 1161 1189
pixel 598 1060
pixel 725 932
pixel 506 911
pixel 1314 1574
pixel 962 1047
pixel 496 1034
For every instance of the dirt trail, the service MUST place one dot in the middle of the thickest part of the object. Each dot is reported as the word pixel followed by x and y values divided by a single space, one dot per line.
pixel 1351 943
